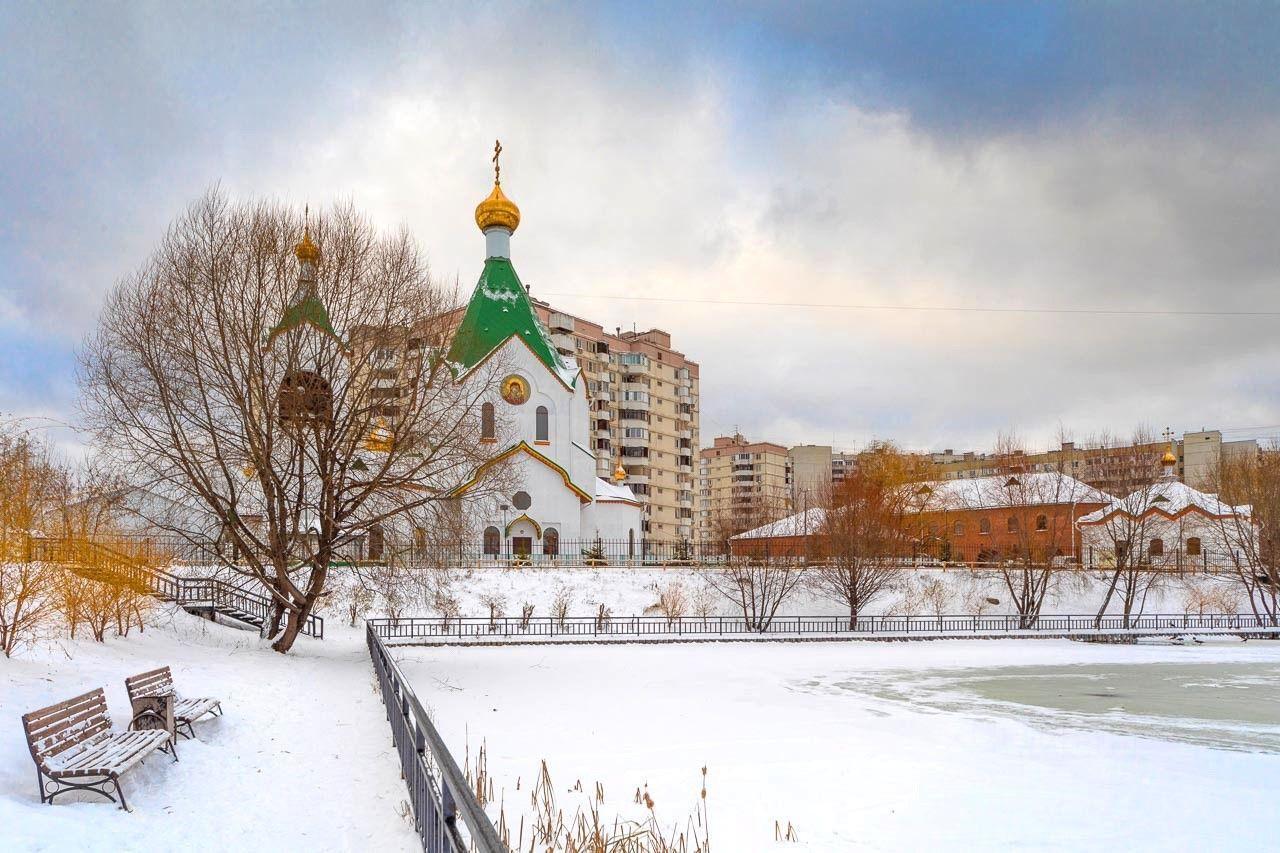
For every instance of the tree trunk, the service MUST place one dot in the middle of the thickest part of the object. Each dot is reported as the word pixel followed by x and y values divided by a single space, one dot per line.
pixel 292 627
pixel 1106 601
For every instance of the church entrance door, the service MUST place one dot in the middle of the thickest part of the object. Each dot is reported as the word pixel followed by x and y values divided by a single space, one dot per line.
pixel 522 546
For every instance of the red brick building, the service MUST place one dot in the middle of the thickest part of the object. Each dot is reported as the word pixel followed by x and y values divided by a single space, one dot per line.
pixel 975 520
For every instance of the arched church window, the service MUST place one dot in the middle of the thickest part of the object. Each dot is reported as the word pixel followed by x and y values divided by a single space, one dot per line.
pixel 958 528
pixel 542 424
pixel 492 541
pixel 1193 546
pixel 984 526
pixel 377 542
pixel 1156 547
pixel 488 428
pixel 1042 522
pixel 1013 524
pixel 521 500
pixel 551 542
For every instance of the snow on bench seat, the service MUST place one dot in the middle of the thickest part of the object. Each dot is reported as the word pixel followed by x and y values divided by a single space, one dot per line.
pixel 159 682
pixel 72 740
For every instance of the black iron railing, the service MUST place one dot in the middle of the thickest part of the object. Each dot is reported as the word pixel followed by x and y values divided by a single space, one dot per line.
pixel 516 629
pixel 193 594
pixel 446 814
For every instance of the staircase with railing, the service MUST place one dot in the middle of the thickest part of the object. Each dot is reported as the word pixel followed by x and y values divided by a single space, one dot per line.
pixel 209 597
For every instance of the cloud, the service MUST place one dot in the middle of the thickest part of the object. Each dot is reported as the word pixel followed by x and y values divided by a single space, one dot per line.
pixel 650 162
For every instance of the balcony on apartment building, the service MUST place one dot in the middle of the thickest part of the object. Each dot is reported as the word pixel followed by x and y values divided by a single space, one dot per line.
pixel 560 322
pixel 564 344
pixel 636 473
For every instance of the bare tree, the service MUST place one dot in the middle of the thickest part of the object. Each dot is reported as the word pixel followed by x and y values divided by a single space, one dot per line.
pixel 757 576
pixel 863 529
pixel 296 397
pixel 1250 540
pixel 1132 470
pixel 1038 517
pixel 28 487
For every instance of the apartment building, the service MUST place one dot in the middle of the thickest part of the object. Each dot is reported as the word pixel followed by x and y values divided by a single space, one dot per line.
pixel 1109 468
pixel 643 397
pixel 814 469
pixel 741 485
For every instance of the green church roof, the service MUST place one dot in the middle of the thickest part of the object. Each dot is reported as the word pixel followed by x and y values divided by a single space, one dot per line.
pixel 499 309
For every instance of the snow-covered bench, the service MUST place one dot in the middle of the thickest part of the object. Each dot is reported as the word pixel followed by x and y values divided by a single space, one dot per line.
pixel 75 750
pixel 159 682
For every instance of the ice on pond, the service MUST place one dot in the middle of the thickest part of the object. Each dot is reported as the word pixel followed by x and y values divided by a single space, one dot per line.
pixel 1223 705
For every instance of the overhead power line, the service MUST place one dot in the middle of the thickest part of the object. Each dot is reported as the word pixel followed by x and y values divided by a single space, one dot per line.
pixel 968 309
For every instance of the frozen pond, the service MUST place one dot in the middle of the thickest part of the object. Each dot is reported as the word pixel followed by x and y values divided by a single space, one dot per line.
pixel 1224 705
pixel 947 745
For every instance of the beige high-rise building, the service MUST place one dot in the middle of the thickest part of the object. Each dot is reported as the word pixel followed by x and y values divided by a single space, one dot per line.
pixel 814 469
pixel 644 413
pixel 741 484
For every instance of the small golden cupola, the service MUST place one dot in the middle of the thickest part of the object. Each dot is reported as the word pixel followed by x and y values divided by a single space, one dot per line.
pixel 307 251
pixel 497 211
pixel 1168 458
pixel 619 473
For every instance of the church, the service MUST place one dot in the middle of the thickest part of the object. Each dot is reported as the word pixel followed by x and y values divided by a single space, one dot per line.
pixel 537 411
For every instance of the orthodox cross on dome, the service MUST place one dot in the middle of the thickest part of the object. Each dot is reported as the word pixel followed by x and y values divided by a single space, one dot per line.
pixel 497 168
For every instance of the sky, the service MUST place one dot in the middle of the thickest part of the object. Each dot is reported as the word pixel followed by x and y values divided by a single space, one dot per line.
pixel 932 223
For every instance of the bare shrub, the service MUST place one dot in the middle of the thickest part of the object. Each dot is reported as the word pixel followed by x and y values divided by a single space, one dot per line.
pixel 560 605
pixel 673 601
pixel 28 601
pixel 703 603
pixel 496 604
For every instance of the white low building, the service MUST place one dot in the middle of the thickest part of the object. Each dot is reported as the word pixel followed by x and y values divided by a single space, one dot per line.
pixel 1169 525
pixel 537 409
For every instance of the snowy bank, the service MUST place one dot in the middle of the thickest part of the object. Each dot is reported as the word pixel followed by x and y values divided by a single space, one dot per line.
pixel 302 758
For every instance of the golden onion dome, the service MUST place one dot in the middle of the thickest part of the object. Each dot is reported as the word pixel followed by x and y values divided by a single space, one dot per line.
pixel 497 210
pixel 1169 458
pixel 307 250
pixel 619 473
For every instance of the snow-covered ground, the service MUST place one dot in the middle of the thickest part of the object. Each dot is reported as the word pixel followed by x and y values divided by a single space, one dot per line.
pixel 957 745
pixel 302 759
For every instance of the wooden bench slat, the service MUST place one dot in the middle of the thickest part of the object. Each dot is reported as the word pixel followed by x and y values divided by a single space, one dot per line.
pixel 50 747
pixel 50 715
pixel 62 723
pixel 114 755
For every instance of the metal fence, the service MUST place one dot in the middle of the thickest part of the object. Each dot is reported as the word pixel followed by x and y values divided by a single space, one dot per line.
pixel 446 815
pixel 511 553
pixel 517 629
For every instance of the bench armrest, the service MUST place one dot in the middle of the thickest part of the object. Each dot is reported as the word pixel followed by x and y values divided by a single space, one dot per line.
pixel 153 713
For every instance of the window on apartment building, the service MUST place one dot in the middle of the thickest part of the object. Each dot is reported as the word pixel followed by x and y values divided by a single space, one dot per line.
pixel 541 424
pixel 984 526
pixel 488 427
pixel 1042 522
pixel 1193 546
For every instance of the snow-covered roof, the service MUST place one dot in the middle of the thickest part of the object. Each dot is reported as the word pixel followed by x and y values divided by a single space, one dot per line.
pixel 606 491
pixel 1006 490
pixel 1166 497
pixel 800 524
